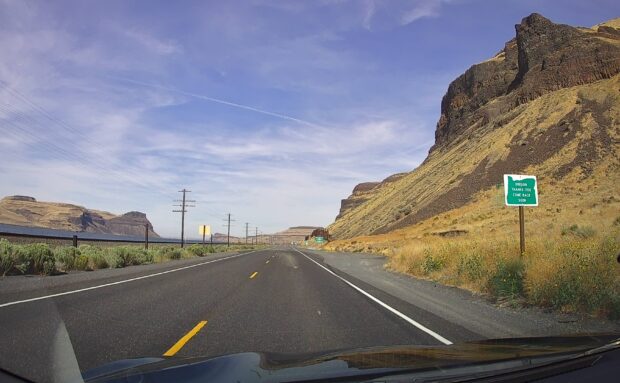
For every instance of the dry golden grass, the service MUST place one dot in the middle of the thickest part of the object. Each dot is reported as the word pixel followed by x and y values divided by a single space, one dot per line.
pixel 571 245
pixel 574 271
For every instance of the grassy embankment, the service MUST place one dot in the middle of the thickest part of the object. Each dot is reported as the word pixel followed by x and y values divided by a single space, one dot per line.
pixel 40 258
pixel 572 241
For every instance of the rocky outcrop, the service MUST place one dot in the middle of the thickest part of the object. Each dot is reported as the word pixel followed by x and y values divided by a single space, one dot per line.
pixel 543 58
pixel 131 223
pixel 27 211
pixel 363 192
pixel 547 104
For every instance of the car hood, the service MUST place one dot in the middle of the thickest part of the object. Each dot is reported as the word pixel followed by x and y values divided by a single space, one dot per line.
pixel 364 363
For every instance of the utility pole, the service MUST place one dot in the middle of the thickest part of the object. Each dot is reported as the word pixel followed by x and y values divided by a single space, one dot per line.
pixel 256 235
pixel 184 205
pixel 246 232
pixel 228 230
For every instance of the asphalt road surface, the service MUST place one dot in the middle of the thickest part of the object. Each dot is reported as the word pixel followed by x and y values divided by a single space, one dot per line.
pixel 281 300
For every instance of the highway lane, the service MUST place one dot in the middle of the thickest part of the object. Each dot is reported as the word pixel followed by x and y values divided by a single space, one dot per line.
pixel 276 300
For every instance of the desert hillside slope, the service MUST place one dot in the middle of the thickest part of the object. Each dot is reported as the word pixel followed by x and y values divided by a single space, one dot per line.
pixel 547 104
pixel 27 211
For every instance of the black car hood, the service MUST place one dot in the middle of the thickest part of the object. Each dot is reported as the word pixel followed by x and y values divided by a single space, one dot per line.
pixel 364 364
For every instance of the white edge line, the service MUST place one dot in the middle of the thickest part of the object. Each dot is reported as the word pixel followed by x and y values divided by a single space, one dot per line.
pixel 119 282
pixel 382 304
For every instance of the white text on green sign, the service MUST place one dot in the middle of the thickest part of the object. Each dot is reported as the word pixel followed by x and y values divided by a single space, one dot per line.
pixel 520 190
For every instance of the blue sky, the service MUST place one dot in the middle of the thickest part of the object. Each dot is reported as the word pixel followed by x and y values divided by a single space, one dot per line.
pixel 269 110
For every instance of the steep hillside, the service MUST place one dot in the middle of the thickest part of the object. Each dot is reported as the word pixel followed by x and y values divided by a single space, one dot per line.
pixel 547 104
pixel 27 211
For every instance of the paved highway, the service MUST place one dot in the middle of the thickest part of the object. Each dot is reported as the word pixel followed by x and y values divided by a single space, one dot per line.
pixel 282 300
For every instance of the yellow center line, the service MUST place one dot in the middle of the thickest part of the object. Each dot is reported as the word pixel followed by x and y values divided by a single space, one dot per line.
pixel 254 274
pixel 178 345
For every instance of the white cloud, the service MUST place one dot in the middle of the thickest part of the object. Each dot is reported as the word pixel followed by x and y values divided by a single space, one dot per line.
pixel 108 149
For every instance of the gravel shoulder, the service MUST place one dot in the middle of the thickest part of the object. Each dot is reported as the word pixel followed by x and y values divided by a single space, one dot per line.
pixel 462 307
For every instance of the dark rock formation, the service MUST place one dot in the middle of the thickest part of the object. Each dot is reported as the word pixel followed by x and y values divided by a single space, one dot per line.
pixel 543 57
pixel 131 223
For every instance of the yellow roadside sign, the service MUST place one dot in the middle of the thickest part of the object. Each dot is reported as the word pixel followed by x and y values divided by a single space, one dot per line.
pixel 204 229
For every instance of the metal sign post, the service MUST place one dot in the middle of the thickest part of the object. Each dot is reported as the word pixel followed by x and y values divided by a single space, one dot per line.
pixel 204 230
pixel 521 191
pixel 146 236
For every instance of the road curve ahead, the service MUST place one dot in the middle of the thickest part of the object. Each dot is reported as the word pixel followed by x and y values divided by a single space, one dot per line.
pixel 282 300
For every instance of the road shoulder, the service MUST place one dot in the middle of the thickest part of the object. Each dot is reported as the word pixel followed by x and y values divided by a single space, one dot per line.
pixel 460 306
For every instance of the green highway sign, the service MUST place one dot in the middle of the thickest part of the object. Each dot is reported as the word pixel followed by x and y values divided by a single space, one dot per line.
pixel 520 190
pixel 319 239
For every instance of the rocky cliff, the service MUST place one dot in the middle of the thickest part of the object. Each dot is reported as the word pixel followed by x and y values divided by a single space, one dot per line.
pixel 544 57
pixel 548 104
pixel 27 211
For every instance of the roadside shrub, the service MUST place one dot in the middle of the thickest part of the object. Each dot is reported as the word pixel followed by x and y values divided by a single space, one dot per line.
pixel 12 259
pixel 96 257
pixel 170 252
pixel 507 279
pixel 129 255
pixel 81 263
pixel 579 231
pixel 145 257
pixel 65 257
pixel 98 261
pixel 471 266
pixel 175 254
pixel 40 258
pixel 197 250
pixel 432 262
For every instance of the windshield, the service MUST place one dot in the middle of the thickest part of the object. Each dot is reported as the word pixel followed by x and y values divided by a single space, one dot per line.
pixel 206 178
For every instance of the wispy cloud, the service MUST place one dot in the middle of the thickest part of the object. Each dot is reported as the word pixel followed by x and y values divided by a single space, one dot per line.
pixel 305 111
pixel 219 101
pixel 421 9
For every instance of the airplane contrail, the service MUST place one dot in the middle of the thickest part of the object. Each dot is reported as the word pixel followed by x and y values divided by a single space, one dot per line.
pixel 219 101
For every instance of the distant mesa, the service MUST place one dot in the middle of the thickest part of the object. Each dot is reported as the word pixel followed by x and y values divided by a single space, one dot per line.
pixel 21 198
pixel 293 234
pixel 27 211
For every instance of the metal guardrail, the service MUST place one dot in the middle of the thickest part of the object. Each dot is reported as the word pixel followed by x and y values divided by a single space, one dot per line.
pixel 43 233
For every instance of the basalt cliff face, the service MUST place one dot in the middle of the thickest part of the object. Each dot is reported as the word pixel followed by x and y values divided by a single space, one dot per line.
pixel 27 211
pixel 548 104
